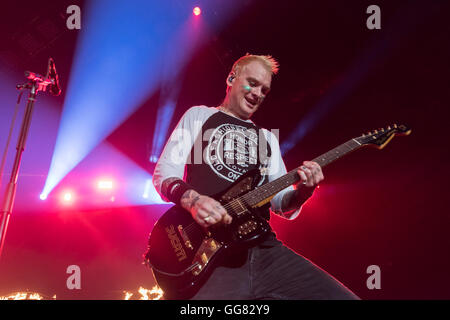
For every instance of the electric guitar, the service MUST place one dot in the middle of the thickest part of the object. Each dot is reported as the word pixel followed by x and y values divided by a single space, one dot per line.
pixel 182 254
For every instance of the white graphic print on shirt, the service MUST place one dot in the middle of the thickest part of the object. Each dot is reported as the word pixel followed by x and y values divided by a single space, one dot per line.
pixel 231 149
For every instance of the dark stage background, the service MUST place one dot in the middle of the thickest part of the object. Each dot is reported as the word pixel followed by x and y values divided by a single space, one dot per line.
pixel 386 208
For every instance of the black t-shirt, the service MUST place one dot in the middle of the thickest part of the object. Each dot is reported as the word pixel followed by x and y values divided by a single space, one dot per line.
pixel 211 149
pixel 231 147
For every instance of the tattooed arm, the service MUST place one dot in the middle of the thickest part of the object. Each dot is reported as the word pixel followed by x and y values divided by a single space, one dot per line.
pixel 201 207
pixel 292 200
pixel 310 174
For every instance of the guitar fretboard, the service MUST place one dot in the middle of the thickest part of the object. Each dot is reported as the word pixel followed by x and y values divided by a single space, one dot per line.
pixel 267 190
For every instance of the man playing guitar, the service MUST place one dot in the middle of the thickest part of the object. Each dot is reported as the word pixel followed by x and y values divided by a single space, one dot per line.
pixel 211 148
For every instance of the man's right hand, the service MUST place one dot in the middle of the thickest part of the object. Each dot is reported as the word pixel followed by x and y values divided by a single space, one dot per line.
pixel 205 210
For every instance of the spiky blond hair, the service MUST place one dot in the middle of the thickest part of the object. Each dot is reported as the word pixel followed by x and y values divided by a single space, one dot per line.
pixel 267 61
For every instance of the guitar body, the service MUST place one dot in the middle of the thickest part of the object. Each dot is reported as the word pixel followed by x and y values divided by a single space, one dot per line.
pixel 182 254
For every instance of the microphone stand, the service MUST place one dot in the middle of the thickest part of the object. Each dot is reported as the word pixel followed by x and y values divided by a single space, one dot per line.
pixel 35 85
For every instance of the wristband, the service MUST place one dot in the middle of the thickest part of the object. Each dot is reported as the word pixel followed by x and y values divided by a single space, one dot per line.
pixel 176 189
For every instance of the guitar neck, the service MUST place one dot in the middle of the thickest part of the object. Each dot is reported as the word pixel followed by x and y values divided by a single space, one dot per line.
pixel 266 191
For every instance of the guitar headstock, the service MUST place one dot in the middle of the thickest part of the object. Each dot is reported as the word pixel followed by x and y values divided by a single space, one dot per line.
pixel 381 137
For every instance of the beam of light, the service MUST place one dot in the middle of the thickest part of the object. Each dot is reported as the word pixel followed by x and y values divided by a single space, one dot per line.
pixel 116 67
pixel 372 55
pixel 137 186
pixel 122 182
pixel 190 37
pixel 148 185
pixel 150 193
pixel 163 118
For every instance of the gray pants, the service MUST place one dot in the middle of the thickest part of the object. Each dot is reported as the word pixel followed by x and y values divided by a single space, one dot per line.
pixel 271 271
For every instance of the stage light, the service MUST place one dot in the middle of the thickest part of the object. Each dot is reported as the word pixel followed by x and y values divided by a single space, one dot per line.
pixel 161 128
pixel 150 194
pixel 42 196
pixel 105 184
pixel 197 11
pixel 67 197
pixel 153 159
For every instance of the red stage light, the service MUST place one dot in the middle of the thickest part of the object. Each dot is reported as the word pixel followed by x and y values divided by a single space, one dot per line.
pixel 197 11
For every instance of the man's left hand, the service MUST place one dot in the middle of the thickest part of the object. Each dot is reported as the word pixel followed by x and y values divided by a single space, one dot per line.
pixel 310 174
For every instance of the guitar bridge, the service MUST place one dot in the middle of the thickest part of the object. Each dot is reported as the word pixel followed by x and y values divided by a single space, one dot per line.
pixel 207 249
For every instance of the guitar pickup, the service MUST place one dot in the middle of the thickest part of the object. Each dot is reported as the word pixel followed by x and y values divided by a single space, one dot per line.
pixel 185 238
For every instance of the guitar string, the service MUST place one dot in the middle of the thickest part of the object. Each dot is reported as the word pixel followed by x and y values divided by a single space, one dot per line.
pixel 227 207
pixel 235 204
pixel 282 182
pixel 264 191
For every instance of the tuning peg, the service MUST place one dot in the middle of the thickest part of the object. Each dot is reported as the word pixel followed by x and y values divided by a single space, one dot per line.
pixel 395 126
pixel 375 131
pixel 363 135
pixel 382 129
pixel 389 127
